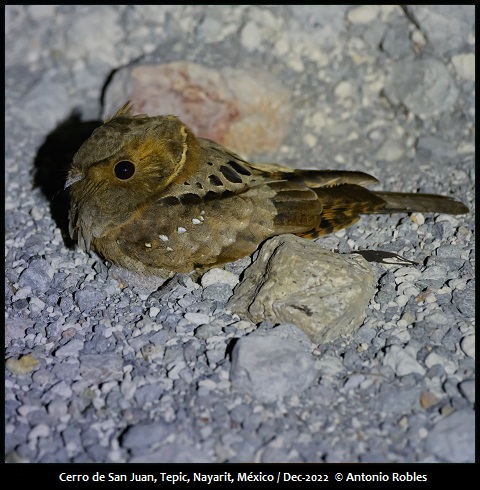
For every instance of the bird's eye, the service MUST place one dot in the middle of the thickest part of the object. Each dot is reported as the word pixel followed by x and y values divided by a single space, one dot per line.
pixel 124 170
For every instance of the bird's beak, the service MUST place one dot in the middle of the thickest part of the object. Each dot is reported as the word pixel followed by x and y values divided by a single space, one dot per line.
pixel 73 178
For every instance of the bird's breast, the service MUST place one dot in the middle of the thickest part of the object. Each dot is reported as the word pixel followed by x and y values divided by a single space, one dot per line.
pixel 179 237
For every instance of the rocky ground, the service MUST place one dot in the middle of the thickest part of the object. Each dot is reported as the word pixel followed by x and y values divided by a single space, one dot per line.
pixel 102 371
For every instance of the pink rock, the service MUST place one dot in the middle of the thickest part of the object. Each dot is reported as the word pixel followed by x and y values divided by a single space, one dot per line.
pixel 247 111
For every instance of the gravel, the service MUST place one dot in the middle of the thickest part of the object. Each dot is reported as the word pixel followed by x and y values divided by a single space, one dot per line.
pixel 104 367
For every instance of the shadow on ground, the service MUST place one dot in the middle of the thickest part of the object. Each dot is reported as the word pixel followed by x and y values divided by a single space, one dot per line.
pixel 53 162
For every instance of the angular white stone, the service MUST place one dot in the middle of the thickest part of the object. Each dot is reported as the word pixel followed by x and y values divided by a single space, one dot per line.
pixel 214 276
pixel 433 358
pixel 465 65
pixel 250 36
pixel 363 14
pixel 402 361
pixel 468 345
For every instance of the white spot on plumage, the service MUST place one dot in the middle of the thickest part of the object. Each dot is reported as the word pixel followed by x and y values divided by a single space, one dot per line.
pixel 164 238
pixel 180 229
pixel 169 249
pixel 148 245
pixel 196 221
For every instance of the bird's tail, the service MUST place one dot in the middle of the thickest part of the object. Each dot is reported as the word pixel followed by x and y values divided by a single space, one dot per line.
pixel 400 202
pixel 342 206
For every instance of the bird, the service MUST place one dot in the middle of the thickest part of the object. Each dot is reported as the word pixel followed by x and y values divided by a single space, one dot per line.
pixel 149 196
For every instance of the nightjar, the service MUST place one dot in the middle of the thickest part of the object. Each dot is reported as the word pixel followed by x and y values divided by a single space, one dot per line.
pixel 148 195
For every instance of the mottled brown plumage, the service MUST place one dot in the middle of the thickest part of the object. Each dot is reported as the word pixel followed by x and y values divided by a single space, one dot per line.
pixel 148 195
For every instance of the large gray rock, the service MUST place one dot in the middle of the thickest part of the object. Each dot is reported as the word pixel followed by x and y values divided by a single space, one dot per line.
pixel 423 85
pixel 295 281
pixel 453 438
pixel 273 364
